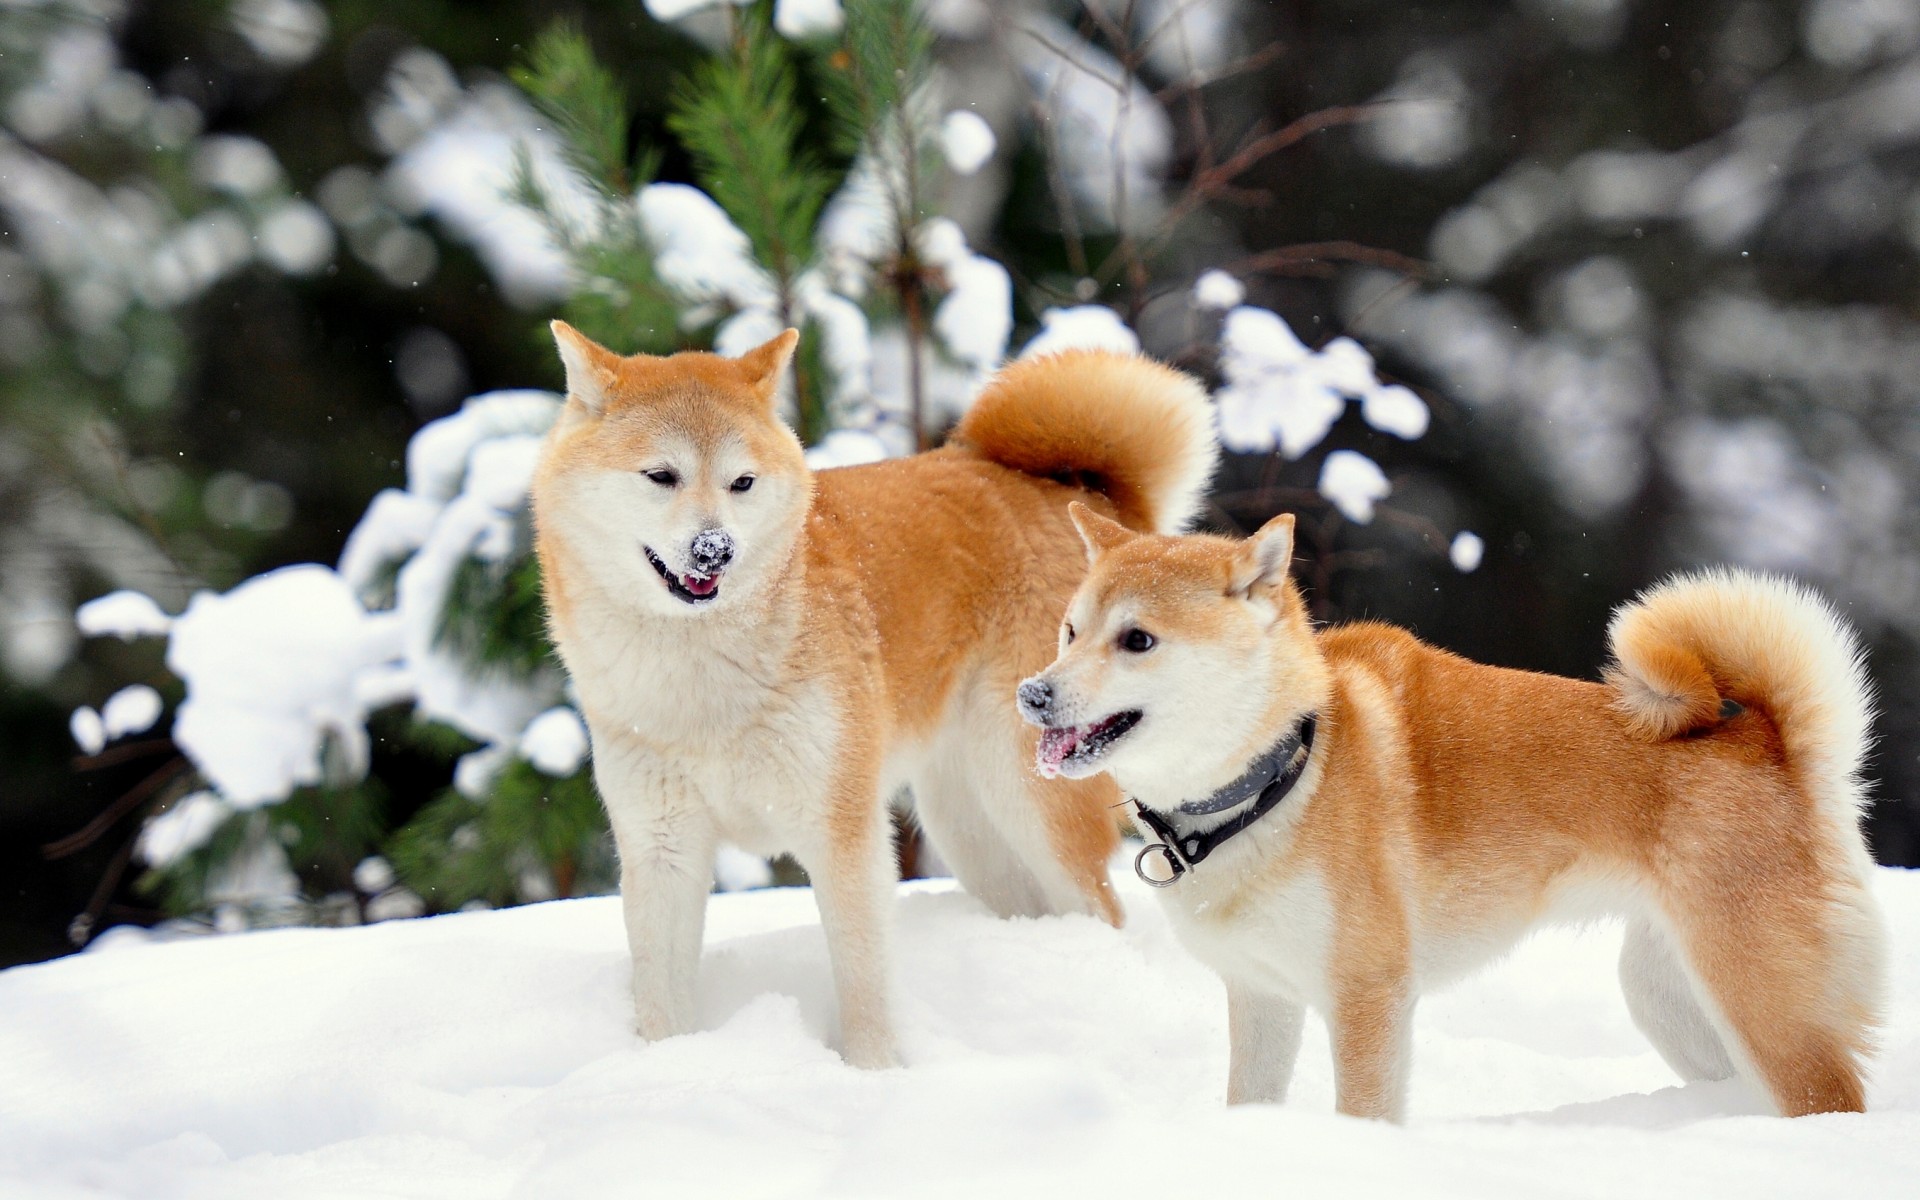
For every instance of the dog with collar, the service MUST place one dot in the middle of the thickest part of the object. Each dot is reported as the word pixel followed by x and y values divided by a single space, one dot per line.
pixel 1346 818
pixel 765 654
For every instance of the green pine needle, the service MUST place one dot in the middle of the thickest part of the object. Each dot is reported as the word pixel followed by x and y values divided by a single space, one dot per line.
pixel 739 118
pixel 496 617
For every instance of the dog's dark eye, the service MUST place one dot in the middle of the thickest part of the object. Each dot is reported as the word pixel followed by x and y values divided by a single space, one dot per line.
pixel 1136 641
pixel 663 477
pixel 1068 630
pixel 742 484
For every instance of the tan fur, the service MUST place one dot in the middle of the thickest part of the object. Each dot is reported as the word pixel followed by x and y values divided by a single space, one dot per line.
pixel 864 636
pixel 1449 806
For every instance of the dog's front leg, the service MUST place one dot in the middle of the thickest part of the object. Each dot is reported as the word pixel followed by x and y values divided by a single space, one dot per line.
pixel 854 873
pixel 666 841
pixel 1263 1034
pixel 1372 1024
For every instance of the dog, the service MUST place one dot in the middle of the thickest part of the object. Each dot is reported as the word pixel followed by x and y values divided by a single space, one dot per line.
pixel 1346 818
pixel 765 654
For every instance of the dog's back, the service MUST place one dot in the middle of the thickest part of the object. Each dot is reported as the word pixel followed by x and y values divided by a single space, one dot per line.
pixel 962 561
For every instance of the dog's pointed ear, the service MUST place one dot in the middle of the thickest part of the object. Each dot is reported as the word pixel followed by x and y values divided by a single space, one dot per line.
pixel 1099 533
pixel 1264 557
pixel 764 364
pixel 590 366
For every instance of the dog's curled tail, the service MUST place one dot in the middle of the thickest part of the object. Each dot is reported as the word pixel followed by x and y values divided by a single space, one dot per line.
pixel 1120 424
pixel 1687 647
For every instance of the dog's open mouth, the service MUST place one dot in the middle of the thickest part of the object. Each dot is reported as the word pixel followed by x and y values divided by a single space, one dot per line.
pixel 1080 745
pixel 694 589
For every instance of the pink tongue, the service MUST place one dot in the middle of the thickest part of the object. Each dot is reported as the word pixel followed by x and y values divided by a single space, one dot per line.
pixel 1057 744
pixel 699 586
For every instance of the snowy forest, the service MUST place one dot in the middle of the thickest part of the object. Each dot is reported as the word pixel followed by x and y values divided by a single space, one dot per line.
pixel 1519 305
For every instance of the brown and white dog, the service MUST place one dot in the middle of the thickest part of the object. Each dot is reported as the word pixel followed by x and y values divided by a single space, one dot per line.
pixel 1708 791
pixel 764 654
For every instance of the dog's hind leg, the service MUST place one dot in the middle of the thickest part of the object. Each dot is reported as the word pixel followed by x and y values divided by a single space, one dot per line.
pixel 1774 956
pixel 1064 830
pixel 971 845
pixel 1661 1000
pixel 1263 1034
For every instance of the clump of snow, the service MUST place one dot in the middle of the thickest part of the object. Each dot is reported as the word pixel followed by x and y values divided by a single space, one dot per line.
pixel 555 742
pixel 966 141
pixel 182 829
pixel 88 730
pixel 858 226
pixel 734 870
pixel 1355 483
pixel 1395 409
pixel 123 614
pixel 130 710
pixel 1278 393
pixel 1218 290
pixel 846 448
pixel 396 904
pixel 1273 394
pixel 474 774
pixel 439 455
pixel 373 875
pixel 395 525
pixel 799 19
pixel 1466 551
pixel 707 261
pixel 975 318
pixel 673 10
pixel 1187 39
pixel 699 252
pixel 492 1054
pixel 1085 327
pixel 270 669
pixel 1110 137
pixel 461 169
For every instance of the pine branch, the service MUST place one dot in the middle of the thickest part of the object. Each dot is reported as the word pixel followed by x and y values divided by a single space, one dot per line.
pixel 458 850
pixel 737 115
pixel 495 617
pixel 587 106
pixel 871 87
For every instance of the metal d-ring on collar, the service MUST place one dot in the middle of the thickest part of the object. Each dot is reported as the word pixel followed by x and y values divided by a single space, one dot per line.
pixel 1270 779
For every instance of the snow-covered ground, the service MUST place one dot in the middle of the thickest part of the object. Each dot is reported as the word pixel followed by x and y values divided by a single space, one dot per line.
pixel 490 1055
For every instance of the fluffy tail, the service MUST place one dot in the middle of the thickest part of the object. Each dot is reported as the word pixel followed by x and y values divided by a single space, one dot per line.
pixel 1688 646
pixel 1119 424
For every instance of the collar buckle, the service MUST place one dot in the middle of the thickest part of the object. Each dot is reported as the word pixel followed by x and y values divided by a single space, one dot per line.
pixel 1175 868
pixel 1182 854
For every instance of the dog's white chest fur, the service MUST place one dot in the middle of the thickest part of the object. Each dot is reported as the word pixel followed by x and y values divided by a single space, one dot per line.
pixel 1275 940
pixel 715 732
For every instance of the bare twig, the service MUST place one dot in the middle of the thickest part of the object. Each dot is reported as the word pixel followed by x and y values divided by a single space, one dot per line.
pixel 124 752
pixel 110 816
pixel 1287 259
pixel 80 932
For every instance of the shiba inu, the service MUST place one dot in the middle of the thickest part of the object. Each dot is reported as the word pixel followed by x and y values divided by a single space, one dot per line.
pixel 1346 818
pixel 765 654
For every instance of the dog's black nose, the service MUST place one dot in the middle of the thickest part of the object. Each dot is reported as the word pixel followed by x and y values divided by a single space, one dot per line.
pixel 712 549
pixel 1036 697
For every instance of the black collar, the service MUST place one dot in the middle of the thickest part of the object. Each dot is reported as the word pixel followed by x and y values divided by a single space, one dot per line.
pixel 1270 778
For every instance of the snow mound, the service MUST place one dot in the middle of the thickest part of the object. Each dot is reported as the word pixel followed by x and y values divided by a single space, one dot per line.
pixel 490 1055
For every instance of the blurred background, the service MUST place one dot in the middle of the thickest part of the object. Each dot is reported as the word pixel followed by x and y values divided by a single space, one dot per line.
pixel 1637 281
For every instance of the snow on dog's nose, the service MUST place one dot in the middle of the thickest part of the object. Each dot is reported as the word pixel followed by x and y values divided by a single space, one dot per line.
pixel 711 551
pixel 1036 700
